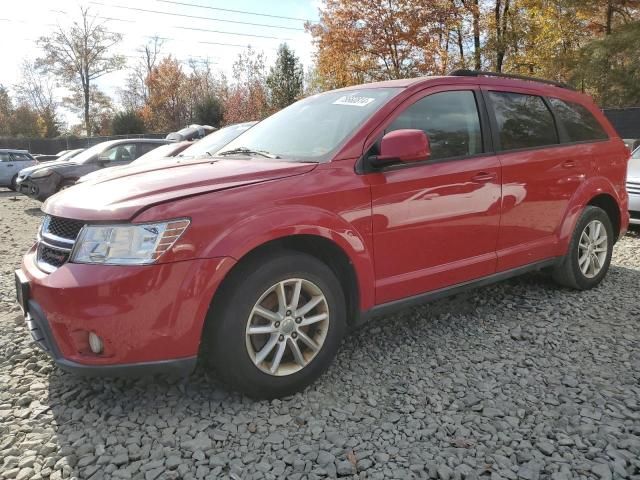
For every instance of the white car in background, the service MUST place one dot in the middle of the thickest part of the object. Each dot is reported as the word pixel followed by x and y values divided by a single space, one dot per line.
pixel 11 162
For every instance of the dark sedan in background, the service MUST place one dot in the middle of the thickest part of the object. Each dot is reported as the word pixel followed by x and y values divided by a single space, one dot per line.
pixel 43 182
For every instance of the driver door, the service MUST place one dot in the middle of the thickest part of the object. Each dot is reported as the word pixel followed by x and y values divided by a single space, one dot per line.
pixel 435 223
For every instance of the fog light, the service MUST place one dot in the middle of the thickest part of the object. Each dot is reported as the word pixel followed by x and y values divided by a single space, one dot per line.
pixel 95 342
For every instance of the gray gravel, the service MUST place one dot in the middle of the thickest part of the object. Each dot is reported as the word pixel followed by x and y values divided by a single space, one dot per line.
pixel 520 380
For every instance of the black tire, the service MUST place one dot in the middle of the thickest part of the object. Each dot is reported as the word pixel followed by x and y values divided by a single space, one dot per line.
pixel 568 272
pixel 224 347
pixel 13 185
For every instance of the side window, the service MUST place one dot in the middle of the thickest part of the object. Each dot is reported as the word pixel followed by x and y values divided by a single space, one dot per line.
pixel 450 120
pixel 5 157
pixel 21 157
pixel 578 121
pixel 524 121
pixel 145 148
pixel 119 153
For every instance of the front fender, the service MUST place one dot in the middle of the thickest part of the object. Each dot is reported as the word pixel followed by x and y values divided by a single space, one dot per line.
pixel 264 226
pixel 588 190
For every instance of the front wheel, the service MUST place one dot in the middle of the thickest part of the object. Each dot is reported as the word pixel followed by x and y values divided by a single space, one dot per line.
pixel 14 183
pixel 587 261
pixel 276 326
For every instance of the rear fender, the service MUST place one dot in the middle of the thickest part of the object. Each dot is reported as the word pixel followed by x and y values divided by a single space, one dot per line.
pixel 588 190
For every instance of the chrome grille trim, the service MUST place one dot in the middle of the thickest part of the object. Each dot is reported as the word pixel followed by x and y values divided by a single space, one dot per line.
pixel 56 238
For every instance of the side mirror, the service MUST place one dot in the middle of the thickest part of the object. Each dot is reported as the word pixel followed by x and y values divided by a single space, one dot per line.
pixel 404 146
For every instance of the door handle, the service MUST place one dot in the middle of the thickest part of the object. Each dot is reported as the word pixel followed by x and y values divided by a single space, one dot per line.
pixel 569 164
pixel 9 164
pixel 484 177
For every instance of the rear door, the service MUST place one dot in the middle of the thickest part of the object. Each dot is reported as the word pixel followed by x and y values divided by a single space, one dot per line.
pixel 435 223
pixel 6 169
pixel 539 175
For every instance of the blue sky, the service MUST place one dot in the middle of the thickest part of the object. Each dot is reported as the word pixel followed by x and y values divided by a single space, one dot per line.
pixel 218 35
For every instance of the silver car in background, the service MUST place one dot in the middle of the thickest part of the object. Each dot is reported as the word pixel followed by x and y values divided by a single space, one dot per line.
pixel 11 162
pixel 633 187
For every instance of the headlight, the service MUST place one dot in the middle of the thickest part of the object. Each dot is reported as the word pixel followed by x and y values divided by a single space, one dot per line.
pixel 127 244
pixel 45 172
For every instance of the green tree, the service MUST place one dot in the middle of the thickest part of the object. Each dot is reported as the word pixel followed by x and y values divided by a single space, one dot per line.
pixel 79 55
pixel 285 79
pixel 25 122
pixel 6 109
pixel 127 122
pixel 208 111
pixel 609 67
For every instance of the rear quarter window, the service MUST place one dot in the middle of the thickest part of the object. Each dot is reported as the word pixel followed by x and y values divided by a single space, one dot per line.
pixel 523 121
pixel 579 123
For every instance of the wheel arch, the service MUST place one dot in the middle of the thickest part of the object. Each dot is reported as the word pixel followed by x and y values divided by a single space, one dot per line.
pixel 320 247
pixel 598 192
pixel 607 203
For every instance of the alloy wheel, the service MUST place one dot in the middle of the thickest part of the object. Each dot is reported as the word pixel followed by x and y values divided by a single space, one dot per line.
pixel 287 326
pixel 592 249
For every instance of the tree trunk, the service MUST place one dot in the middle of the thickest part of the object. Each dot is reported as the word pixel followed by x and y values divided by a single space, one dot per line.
pixel 609 18
pixel 476 34
pixel 87 123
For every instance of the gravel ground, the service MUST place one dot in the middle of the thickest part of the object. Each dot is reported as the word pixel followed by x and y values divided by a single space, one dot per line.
pixel 520 380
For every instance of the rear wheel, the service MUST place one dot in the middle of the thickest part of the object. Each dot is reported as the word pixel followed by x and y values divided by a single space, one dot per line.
pixel 587 261
pixel 276 326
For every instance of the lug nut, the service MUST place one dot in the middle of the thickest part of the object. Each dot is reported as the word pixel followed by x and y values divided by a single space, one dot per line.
pixel 277 324
pixel 299 320
pixel 281 338
pixel 288 312
pixel 294 335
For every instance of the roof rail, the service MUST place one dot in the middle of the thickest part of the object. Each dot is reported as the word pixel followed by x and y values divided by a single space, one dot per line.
pixel 480 73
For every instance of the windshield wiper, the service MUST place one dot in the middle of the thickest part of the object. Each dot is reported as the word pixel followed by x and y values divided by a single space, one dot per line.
pixel 247 151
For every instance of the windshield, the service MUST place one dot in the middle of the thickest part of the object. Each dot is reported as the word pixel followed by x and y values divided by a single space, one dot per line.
pixel 70 154
pixel 312 129
pixel 89 153
pixel 159 152
pixel 216 140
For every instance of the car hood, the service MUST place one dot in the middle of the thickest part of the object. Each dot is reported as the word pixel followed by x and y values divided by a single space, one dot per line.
pixel 53 164
pixel 633 169
pixel 125 192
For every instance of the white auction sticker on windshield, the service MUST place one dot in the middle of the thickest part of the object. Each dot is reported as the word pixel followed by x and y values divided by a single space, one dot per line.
pixel 354 101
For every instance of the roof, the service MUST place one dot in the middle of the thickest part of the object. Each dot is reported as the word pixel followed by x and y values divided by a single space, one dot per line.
pixel 16 150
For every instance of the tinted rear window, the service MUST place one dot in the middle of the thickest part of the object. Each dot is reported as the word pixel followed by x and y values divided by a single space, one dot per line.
pixel 524 121
pixel 578 121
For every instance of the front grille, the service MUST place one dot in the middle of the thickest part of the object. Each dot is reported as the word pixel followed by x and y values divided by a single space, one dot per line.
pixel 52 256
pixel 56 239
pixel 64 227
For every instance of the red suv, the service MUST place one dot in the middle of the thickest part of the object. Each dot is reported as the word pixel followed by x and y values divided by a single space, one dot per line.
pixel 343 206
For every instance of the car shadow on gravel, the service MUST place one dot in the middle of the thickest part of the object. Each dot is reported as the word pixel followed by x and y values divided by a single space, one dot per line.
pixel 138 428
pixel 34 212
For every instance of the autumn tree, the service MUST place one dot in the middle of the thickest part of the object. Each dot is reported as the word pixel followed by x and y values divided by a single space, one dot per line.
pixel 81 53
pixel 368 40
pixel 285 79
pixel 166 109
pixel 135 94
pixel 37 90
pixel 247 99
